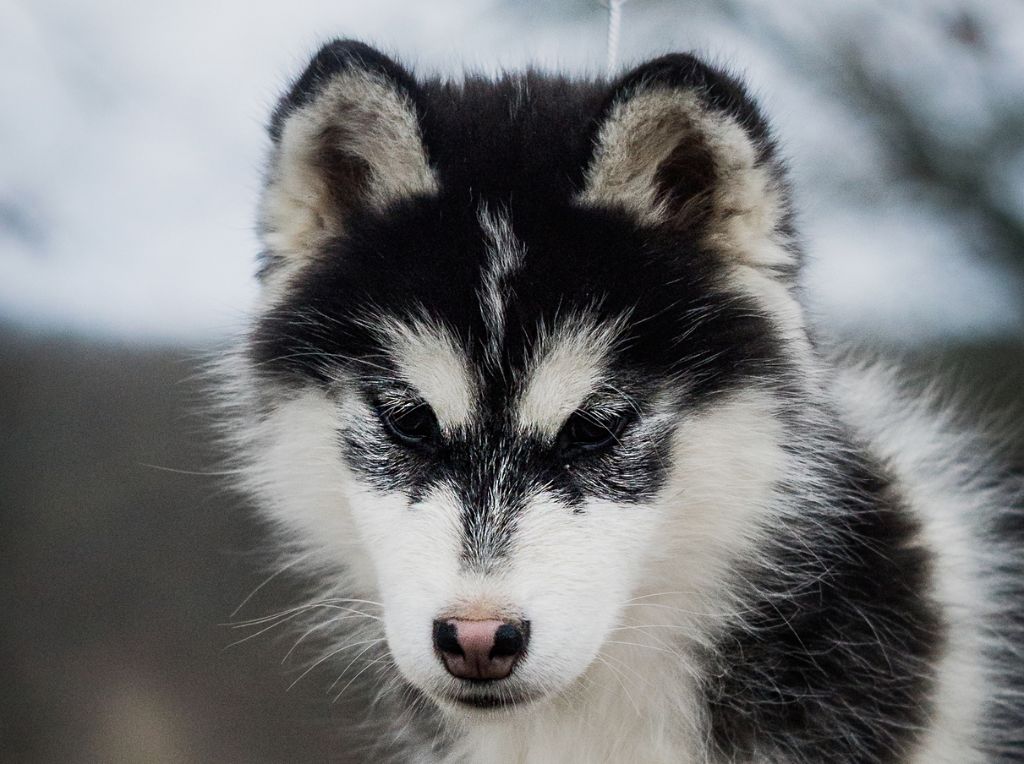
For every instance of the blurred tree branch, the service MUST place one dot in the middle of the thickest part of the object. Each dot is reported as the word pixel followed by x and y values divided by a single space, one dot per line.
pixel 962 184
pixel 958 175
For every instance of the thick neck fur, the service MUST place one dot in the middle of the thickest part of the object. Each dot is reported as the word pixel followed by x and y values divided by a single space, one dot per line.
pixel 636 704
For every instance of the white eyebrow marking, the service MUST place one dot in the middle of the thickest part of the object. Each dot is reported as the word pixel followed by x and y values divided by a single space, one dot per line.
pixel 570 365
pixel 505 256
pixel 431 362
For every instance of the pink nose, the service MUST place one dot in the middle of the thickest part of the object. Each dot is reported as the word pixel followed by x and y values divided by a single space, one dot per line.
pixel 480 650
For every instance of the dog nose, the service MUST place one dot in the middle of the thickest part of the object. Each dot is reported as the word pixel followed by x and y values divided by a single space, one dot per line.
pixel 480 650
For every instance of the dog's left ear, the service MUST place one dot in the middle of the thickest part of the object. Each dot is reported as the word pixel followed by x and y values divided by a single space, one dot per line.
pixel 682 145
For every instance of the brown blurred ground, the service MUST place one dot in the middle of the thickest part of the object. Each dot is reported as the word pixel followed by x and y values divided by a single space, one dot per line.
pixel 116 577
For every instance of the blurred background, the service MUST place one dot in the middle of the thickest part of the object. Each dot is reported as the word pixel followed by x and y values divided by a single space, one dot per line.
pixel 131 148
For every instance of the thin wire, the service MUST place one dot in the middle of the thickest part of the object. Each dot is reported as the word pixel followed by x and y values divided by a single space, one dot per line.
pixel 614 24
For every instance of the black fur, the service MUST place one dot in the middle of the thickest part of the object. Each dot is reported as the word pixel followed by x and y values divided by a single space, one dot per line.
pixel 836 662
pixel 520 146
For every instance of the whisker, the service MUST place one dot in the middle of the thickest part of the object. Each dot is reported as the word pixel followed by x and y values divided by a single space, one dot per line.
pixel 618 677
pixel 329 604
pixel 316 627
pixel 331 655
pixel 264 630
pixel 673 653
pixel 267 580
pixel 354 678
pixel 279 619
pixel 199 473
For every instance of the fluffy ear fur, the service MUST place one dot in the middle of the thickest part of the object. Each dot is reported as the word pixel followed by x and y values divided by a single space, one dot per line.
pixel 346 137
pixel 682 145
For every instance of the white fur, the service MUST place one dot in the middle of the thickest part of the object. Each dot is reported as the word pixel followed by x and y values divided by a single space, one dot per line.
pixel 619 595
pixel 614 592
pixel 505 256
pixel 568 367
pixel 432 363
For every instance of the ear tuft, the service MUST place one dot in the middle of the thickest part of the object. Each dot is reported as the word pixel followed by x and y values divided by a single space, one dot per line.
pixel 332 59
pixel 682 145
pixel 720 91
pixel 346 138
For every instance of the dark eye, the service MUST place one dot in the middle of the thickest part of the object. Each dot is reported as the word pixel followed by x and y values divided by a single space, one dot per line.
pixel 413 425
pixel 588 431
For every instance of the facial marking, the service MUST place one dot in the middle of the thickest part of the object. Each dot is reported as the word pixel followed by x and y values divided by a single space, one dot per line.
pixel 431 362
pixel 571 365
pixel 505 255
pixel 490 516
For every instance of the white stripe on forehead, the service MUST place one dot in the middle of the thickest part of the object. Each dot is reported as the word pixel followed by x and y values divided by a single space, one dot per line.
pixel 569 366
pixel 431 362
pixel 505 255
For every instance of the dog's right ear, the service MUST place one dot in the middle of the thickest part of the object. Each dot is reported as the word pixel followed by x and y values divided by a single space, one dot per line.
pixel 346 137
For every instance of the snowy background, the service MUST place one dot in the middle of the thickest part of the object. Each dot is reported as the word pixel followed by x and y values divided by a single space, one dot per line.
pixel 131 149
pixel 131 143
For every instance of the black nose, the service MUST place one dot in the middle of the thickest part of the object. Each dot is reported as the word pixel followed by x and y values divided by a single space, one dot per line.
pixel 480 650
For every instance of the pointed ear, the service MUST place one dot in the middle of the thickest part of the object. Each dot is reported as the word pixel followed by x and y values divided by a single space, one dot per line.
pixel 682 145
pixel 345 137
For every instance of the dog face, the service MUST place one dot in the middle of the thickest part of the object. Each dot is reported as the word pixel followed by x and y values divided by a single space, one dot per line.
pixel 511 332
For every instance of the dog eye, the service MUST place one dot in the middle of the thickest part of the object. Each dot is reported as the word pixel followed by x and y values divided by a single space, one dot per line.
pixel 412 425
pixel 588 432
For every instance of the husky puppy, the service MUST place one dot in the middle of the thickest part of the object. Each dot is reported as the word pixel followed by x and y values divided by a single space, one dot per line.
pixel 531 387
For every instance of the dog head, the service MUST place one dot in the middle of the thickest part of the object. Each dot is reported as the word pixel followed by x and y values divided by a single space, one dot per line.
pixel 518 351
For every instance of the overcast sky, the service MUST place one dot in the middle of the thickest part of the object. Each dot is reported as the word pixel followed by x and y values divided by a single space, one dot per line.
pixel 131 143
